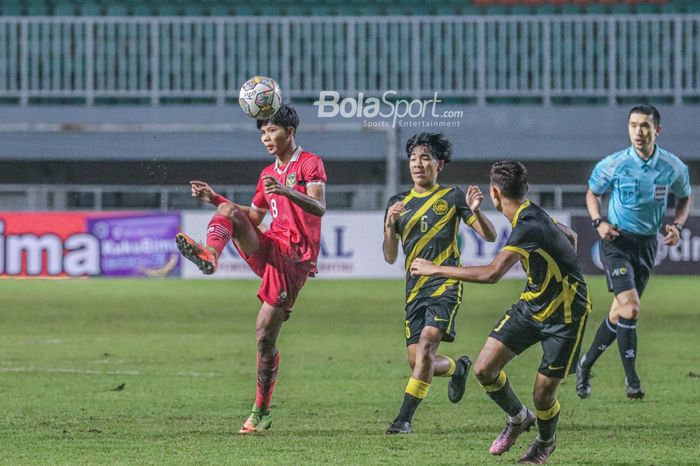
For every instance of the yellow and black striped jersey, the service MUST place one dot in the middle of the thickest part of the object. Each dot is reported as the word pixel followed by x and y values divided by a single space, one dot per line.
pixel 428 228
pixel 555 290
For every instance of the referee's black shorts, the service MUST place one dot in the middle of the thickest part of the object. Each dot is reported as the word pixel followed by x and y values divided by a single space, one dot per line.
pixel 628 261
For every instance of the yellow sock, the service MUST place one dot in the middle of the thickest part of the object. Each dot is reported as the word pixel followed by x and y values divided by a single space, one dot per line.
pixel 417 388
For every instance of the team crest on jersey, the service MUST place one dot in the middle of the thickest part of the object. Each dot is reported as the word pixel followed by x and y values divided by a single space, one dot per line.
pixel 441 207
pixel 291 180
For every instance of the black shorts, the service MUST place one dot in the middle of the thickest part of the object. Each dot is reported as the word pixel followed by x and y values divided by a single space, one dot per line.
pixel 628 260
pixel 437 312
pixel 561 343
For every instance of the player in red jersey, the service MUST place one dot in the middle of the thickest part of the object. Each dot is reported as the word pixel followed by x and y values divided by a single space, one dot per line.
pixel 292 189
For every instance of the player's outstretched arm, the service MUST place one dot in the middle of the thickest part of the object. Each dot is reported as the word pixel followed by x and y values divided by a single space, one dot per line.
pixel 314 202
pixel 482 225
pixel 490 273
pixel 202 190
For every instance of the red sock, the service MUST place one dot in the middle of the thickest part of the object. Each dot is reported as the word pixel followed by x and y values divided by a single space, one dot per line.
pixel 219 232
pixel 267 376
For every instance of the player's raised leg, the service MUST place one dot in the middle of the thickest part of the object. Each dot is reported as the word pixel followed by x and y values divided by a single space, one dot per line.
pixel 268 326
pixel 443 366
pixel 494 356
pixel 229 222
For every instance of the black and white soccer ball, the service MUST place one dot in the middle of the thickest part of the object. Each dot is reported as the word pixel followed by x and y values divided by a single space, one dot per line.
pixel 260 97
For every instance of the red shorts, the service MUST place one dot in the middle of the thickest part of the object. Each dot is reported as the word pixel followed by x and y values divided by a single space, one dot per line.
pixel 282 278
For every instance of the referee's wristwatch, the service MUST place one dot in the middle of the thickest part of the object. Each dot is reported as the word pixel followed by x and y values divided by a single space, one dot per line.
pixel 596 222
pixel 679 226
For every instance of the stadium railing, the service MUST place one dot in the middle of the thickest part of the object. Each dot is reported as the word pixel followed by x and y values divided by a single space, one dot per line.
pixel 29 197
pixel 545 58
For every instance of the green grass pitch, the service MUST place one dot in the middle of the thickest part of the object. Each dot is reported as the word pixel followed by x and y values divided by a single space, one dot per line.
pixel 163 372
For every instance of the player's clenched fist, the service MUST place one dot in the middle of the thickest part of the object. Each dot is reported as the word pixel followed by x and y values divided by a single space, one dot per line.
pixel 202 190
pixel 474 198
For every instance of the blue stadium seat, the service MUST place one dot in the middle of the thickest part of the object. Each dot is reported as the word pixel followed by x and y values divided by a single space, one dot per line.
pixel 345 7
pixel 572 9
pixel 10 8
pixel 693 7
pixel 142 9
pixel 91 8
pixel 38 8
pixel 167 9
pixel 494 10
pixel 648 8
pixel 65 9
pixel 116 10
pixel 596 9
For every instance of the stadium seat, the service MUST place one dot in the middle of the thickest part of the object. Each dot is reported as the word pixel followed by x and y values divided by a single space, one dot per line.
pixel 91 8
pixel 38 8
pixel 693 7
pixel 596 9
pixel 494 10
pixel 546 9
pixel 347 7
pixel 142 9
pixel 649 8
pixel 621 9
pixel 219 10
pixel 10 8
pixel 65 9
pixel 572 9
pixel 167 9
pixel 116 10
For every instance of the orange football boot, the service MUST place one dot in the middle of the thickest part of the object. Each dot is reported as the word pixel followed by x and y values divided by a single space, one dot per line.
pixel 203 257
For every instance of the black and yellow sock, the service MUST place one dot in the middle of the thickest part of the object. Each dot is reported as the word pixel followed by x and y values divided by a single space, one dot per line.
pixel 416 390
pixel 504 396
pixel 627 343
pixel 547 422
pixel 604 336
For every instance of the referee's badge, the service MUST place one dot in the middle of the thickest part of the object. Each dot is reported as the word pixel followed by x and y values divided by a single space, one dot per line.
pixel 660 191
pixel 291 180
pixel 441 207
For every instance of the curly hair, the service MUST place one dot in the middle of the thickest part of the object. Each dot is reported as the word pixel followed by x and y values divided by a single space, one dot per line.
pixel 440 147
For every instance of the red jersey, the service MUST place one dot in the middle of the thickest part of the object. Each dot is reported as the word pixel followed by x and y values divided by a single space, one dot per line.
pixel 298 230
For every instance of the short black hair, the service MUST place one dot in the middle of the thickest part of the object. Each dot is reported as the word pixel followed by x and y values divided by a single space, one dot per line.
pixel 510 177
pixel 440 147
pixel 285 116
pixel 646 109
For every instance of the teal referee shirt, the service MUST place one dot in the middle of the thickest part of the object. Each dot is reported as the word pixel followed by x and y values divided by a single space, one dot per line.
pixel 639 189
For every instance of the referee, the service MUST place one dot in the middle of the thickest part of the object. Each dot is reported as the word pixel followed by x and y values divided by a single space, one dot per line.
pixel 639 179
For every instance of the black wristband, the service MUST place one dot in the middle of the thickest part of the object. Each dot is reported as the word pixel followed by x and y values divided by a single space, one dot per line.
pixel 679 226
pixel 596 222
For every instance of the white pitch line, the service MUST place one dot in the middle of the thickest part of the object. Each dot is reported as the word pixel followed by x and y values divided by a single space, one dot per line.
pixel 93 372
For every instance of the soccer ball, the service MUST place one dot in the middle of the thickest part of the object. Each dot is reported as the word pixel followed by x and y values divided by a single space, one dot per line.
pixel 260 97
